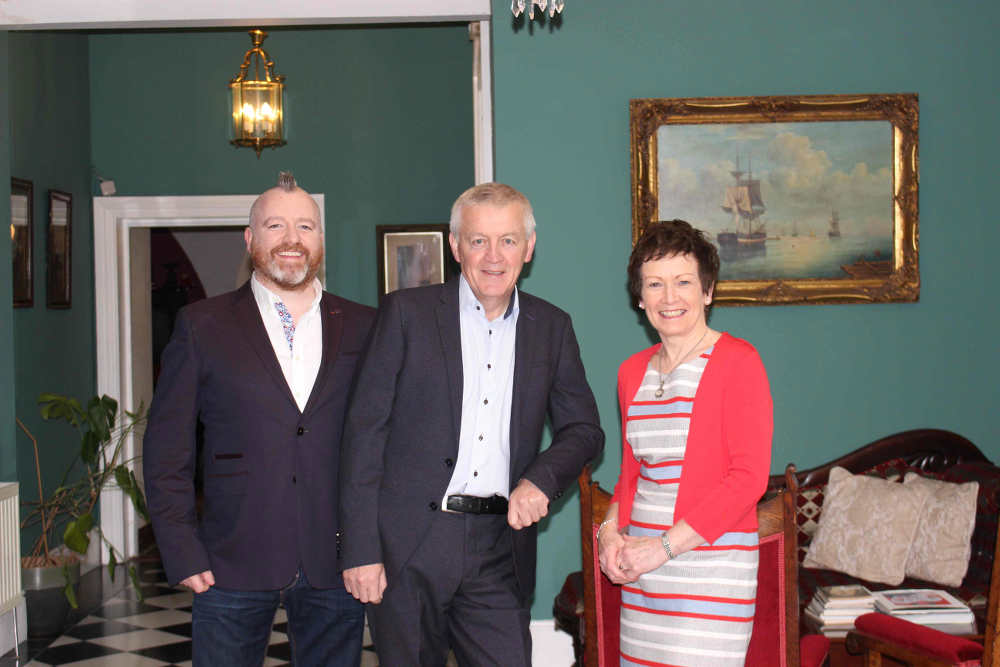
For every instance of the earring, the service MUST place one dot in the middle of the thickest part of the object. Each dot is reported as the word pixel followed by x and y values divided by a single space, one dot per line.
pixel 642 306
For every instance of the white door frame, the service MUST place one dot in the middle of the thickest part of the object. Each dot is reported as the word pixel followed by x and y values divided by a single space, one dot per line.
pixel 114 219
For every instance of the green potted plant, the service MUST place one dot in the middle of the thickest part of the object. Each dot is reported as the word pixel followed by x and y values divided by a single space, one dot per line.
pixel 67 511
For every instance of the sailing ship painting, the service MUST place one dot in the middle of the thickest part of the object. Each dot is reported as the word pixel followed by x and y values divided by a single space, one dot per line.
pixel 834 232
pixel 744 202
pixel 819 187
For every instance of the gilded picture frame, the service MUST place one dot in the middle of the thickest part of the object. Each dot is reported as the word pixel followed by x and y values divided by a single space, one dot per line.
pixel 810 199
pixel 412 256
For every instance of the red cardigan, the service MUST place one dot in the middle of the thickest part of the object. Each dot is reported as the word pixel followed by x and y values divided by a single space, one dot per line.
pixel 728 455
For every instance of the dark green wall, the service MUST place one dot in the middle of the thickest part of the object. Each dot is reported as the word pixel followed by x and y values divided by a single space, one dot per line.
pixel 53 349
pixel 8 450
pixel 379 119
pixel 841 376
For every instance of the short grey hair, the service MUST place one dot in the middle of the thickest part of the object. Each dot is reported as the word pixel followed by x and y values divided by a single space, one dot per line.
pixel 491 194
pixel 286 182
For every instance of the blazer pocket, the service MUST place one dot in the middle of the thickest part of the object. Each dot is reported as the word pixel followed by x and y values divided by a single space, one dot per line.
pixel 225 482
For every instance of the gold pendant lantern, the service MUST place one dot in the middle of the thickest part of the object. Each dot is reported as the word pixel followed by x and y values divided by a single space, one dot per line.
pixel 258 110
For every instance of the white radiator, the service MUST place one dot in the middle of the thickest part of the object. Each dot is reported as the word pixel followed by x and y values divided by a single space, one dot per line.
pixel 10 548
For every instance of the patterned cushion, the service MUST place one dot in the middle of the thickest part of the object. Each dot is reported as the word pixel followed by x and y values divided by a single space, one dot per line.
pixel 867 526
pixel 941 547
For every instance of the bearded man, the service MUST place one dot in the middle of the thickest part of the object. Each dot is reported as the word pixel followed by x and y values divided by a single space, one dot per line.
pixel 266 370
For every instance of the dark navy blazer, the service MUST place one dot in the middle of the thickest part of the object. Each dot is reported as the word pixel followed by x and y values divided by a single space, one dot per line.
pixel 401 438
pixel 270 471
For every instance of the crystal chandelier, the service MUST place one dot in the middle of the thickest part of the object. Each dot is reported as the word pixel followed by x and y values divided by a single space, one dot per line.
pixel 258 110
pixel 517 7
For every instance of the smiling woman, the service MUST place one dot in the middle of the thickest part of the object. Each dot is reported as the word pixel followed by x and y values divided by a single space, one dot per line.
pixel 683 512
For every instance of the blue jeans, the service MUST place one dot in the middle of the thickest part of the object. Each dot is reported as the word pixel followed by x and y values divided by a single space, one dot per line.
pixel 233 628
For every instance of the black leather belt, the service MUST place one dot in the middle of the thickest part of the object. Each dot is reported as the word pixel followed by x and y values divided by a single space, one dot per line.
pixel 477 505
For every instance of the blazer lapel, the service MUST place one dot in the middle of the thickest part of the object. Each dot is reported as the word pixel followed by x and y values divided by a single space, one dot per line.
pixel 332 319
pixel 450 330
pixel 248 316
pixel 524 353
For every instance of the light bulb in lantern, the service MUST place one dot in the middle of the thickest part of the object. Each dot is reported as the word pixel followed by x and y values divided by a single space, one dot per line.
pixel 249 116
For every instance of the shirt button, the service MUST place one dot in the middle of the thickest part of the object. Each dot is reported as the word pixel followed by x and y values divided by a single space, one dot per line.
pixel 300 431
pixel 480 436
pixel 475 473
pixel 433 506
pixel 489 366
pixel 449 463
pixel 293 479
pixel 486 401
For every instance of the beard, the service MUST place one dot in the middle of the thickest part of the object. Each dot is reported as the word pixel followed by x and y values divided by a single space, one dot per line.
pixel 269 264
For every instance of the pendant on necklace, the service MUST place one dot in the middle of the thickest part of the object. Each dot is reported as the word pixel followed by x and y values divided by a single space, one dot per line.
pixel 659 392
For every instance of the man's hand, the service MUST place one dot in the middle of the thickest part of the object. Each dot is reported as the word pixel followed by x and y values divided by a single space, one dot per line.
pixel 526 506
pixel 200 582
pixel 366 582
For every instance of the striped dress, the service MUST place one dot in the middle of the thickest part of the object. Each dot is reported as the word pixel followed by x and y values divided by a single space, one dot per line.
pixel 698 608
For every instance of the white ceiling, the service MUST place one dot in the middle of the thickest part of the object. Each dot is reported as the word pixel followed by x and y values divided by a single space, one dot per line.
pixel 79 14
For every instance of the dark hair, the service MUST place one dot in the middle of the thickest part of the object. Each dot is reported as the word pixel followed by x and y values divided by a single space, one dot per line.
pixel 668 238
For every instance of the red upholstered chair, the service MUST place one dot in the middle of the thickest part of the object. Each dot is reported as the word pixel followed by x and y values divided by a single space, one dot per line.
pixel 878 635
pixel 775 639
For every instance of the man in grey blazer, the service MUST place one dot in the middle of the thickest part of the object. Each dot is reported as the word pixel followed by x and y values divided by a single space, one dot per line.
pixel 267 370
pixel 441 481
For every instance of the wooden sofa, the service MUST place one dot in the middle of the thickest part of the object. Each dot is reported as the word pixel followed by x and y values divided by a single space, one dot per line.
pixel 932 453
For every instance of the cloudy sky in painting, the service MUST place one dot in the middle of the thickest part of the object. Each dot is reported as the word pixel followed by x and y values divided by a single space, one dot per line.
pixel 805 169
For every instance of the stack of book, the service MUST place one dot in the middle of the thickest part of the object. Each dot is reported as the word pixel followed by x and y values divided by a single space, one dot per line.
pixel 833 608
pixel 928 606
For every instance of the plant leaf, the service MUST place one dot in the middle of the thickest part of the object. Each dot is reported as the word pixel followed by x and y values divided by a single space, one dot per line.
pixel 112 563
pixel 75 537
pixel 98 418
pixel 89 445
pixel 138 500
pixel 122 478
pixel 135 582
pixel 68 590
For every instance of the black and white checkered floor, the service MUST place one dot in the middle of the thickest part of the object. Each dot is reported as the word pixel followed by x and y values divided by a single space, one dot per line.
pixel 126 632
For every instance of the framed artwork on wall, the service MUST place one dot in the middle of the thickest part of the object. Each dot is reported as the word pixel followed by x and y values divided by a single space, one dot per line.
pixel 809 199
pixel 412 255
pixel 58 264
pixel 21 226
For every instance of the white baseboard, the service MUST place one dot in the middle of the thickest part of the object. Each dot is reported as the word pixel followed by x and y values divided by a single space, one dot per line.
pixel 550 647
pixel 7 628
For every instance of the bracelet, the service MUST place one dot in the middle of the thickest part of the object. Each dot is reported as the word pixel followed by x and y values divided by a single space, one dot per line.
pixel 666 546
pixel 601 527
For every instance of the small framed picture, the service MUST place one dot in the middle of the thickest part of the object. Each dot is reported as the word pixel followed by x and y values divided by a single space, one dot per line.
pixel 412 256
pixel 59 250
pixel 21 225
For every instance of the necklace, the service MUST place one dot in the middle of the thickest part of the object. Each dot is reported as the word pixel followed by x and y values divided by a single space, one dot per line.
pixel 663 376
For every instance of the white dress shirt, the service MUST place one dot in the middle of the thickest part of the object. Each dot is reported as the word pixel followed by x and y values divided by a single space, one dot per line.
pixel 299 363
pixel 483 466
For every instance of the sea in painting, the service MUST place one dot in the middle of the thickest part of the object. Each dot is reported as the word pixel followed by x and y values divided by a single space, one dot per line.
pixel 783 200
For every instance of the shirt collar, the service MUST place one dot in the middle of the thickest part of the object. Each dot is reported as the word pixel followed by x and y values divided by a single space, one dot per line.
pixel 467 300
pixel 266 298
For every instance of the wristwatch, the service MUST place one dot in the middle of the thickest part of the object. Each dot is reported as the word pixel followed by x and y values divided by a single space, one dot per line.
pixel 666 546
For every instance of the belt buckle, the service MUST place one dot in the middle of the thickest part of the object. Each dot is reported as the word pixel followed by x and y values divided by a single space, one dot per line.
pixel 444 507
